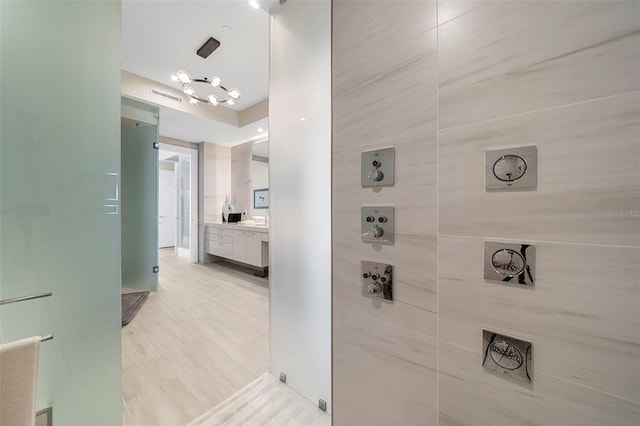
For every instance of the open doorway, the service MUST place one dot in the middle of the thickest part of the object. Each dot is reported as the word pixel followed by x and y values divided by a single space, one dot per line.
pixel 204 335
pixel 178 200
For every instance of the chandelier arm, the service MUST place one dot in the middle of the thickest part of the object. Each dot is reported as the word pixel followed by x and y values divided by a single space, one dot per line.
pixel 194 96
pixel 208 82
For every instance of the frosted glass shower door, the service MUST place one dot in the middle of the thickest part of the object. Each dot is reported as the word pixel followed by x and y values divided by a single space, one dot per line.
pixel 59 199
pixel 140 207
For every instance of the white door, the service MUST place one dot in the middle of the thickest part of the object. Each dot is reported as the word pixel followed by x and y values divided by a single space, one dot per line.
pixel 167 208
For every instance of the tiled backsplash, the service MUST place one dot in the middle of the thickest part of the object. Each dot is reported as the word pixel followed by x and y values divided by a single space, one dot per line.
pixel 443 82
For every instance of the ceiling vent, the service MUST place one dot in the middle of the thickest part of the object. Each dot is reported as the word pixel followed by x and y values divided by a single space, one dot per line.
pixel 166 95
pixel 208 47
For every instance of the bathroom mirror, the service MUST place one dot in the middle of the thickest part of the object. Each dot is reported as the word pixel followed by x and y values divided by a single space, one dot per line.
pixel 260 174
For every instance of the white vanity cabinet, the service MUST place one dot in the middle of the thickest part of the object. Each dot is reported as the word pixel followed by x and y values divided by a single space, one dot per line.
pixel 220 242
pixel 245 244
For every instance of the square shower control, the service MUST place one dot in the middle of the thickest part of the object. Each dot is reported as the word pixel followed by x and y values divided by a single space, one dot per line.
pixel 507 356
pixel 377 280
pixel 378 167
pixel 510 263
pixel 512 169
pixel 377 224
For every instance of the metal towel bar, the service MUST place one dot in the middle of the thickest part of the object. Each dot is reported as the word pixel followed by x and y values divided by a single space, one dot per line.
pixel 25 298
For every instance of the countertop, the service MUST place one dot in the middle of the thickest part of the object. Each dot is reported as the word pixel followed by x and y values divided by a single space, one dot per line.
pixel 241 227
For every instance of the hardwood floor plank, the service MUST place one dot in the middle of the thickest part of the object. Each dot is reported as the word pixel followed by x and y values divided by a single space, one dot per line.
pixel 265 401
pixel 198 340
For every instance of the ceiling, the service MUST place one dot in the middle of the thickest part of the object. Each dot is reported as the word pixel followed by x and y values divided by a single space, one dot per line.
pixel 161 37
pixel 180 125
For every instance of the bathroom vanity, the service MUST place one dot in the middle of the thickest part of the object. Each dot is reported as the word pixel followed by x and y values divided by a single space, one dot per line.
pixel 247 244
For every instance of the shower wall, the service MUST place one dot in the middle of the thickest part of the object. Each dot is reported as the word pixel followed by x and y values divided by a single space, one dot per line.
pixel 443 82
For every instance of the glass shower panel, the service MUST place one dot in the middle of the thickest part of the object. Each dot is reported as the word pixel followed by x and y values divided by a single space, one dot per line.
pixel 59 199
pixel 139 207
pixel 300 34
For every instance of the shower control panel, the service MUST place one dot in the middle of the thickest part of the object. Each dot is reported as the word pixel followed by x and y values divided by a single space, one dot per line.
pixel 377 280
pixel 513 169
pixel 378 167
pixel 377 224
pixel 509 263
pixel 509 357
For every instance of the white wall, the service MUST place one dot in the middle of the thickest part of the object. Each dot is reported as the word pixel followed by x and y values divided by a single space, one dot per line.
pixel 300 196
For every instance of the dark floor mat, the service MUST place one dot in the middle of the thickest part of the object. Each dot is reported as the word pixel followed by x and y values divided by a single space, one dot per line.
pixel 131 304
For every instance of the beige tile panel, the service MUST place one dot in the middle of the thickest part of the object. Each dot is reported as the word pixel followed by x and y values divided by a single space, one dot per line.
pixel 451 9
pixel 369 41
pixel 395 103
pixel 393 367
pixel 356 408
pixel 510 57
pixel 413 195
pixel 241 193
pixel 582 314
pixel 471 396
pixel 582 181
pixel 415 273
pixel 217 180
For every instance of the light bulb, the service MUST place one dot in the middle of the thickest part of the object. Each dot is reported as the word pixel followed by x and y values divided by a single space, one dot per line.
pixel 188 90
pixel 174 77
pixel 230 101
pixel 193 101
pixel 213 100
pixel 183 76
pixel 215 81
pixel 234 93
pixel 254 4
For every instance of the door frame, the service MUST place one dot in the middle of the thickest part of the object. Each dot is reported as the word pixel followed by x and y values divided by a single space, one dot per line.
pixel 193 202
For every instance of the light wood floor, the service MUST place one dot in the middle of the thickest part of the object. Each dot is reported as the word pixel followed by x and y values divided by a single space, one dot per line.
pixel 197 341
pixel 265 401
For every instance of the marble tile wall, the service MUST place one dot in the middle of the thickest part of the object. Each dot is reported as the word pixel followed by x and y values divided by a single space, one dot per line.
pixel 241 192
pixel 217 180
pixel 442 82
pixel 385 354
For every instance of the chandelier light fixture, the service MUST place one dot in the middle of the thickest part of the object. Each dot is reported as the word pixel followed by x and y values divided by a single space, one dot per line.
pixel 183 77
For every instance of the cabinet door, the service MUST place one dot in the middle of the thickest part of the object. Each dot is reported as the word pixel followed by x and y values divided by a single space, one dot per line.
pixel 254 248
pixel 239 251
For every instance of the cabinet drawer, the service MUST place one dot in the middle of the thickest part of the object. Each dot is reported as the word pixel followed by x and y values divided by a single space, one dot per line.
pixel 221 249
pixel 219 231
pixel 218 238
